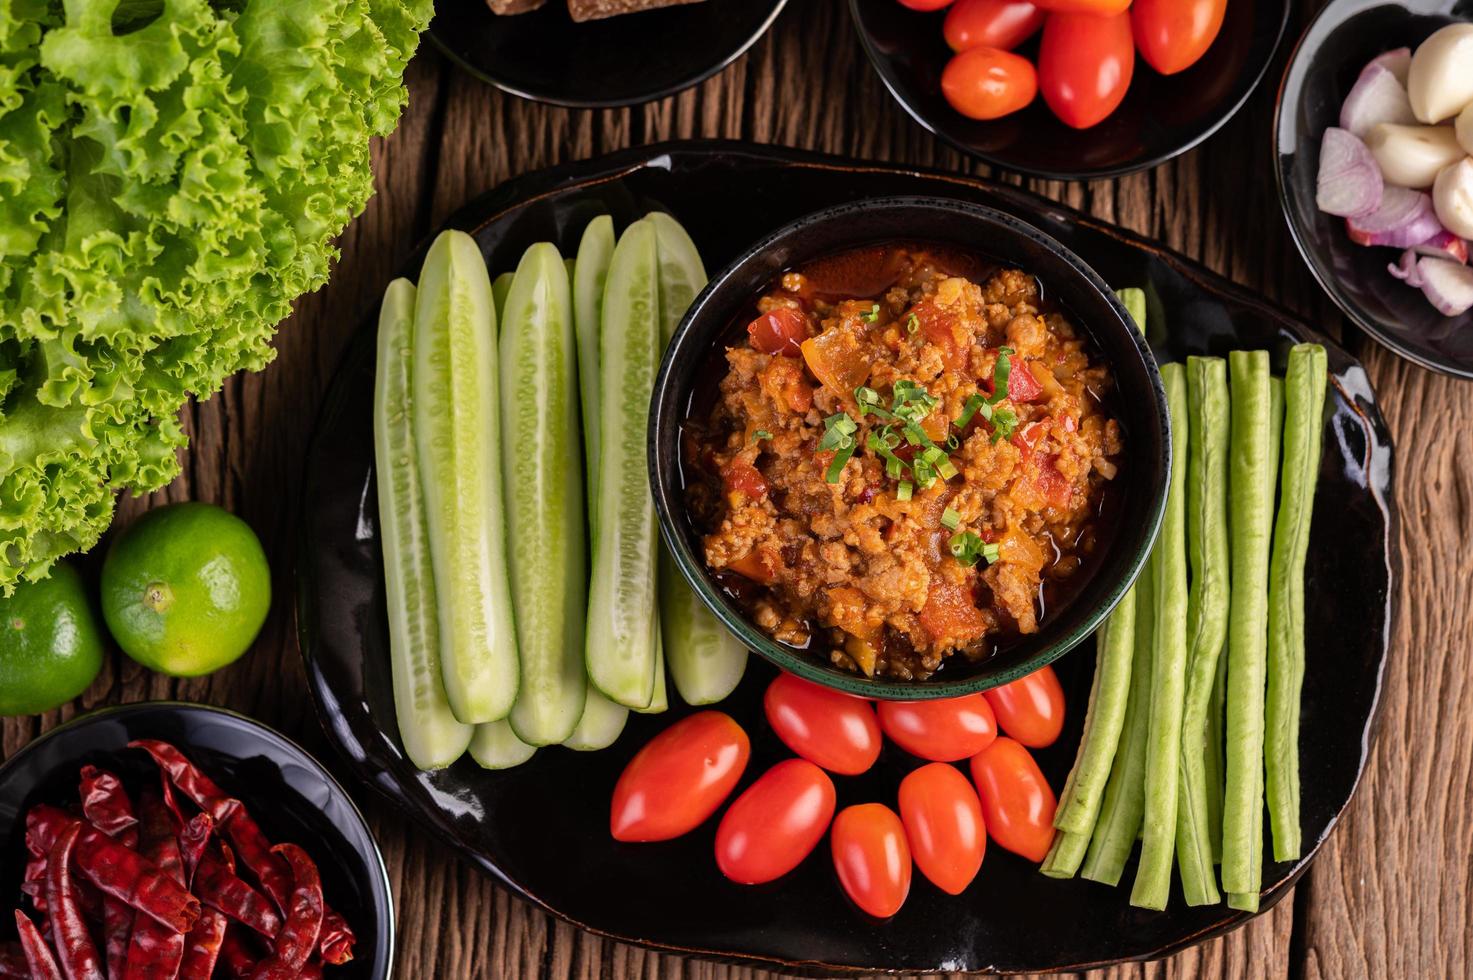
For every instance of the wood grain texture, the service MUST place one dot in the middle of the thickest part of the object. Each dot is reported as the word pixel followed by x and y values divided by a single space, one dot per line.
pixel 1392 893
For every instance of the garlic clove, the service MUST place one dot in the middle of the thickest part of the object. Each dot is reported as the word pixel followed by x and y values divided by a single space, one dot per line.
pixel 1440 78
pixel 1452 197
pixel 1464 127
pixel 1412 156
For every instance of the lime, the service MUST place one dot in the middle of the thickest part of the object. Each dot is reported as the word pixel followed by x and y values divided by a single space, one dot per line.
pixel 185 589
pixel 50 647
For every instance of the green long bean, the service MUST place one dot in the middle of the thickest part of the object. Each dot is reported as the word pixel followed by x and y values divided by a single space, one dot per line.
pixel 1207 610
pixel 1213 762
pixel 1305 383
pixel 1120 811
pixel 1168 666
pixel 1250 518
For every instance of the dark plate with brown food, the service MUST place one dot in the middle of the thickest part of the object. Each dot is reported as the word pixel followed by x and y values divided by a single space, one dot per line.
pixel 654 49
pixel 542 829
pixel 234 789
pixel 1161 115
pixel 843 489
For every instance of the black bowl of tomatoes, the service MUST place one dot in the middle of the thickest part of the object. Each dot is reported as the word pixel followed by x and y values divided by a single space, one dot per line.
pixel 1071 89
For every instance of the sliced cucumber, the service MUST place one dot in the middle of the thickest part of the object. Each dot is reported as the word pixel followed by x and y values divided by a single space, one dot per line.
pixel 496 746
pixel 590 271
pixel 659 698
pixel 455 403
pixel 622 597
pixel 542 479
pixel 500 286
pixel 600 725
pixel 705 661
pixel 431 735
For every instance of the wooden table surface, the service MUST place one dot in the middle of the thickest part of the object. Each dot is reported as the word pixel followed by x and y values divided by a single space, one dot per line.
pixel 1391 894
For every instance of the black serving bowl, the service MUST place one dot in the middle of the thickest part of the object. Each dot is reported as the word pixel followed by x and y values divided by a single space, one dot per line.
pixel 1324 65
pixel 1066 282
pixel 288 792
pixel 1162 115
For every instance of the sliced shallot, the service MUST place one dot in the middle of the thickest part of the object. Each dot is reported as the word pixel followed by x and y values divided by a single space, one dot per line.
pixel 1405 269
pixel 1349 182
pixel 1376 97
pixel 1405 218
pixel 1399 60
pixel 1448 285
pixel 1444 245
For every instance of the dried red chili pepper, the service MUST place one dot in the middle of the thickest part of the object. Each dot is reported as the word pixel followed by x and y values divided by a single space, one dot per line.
pixel 312 971
pixel 250 843
pixel 33 884
pixel 194 838
pixel 106 806
pixel 119 871
pixel 155 950
pixel 237 957
pixel 218 887
pixel 73 943
pixel 202 945
pixel 299 934
pixel 41 963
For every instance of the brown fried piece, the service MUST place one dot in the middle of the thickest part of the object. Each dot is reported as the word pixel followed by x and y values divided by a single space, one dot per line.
pixel 582 10
pixel 513 6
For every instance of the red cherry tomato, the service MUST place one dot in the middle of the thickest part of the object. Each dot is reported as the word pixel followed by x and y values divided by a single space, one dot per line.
pixel 988 83
pixel 1084 6
pixel 1084 65
pixel 1173 34
pixel 945 730
pixel 1001 24
pixel 872 858
pixel 943 825
pixel 775 823
pixel 830 729
pixel 1017 803
pixel 925 5
pixel 779 332
pixel 1031 708
pixel 679 779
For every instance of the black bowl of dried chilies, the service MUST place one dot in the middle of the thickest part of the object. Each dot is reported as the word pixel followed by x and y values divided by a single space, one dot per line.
pixel 175 840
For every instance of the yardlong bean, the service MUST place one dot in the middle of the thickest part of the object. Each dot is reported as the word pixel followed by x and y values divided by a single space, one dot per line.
pixel 1250 514
pixel 1304 383
pixel 1207 609
pixel 1168 666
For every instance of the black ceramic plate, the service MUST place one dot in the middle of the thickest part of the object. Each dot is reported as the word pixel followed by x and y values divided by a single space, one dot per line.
pixel 622 60
pixel 286 790
pixel 1161 116
pixel 542 829
pixel 1333 50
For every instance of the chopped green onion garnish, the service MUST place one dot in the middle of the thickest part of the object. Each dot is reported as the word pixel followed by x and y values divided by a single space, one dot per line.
pixel 967 548
pixel 970 409
pixel 837 466
pixel 1000 372
pixel 1004 421
pixel 904 491
pixel 952 442
pixel 761 434
pixel 838 433
pixel 950 519
pixel 990 552
pixel 873 314
pixel 946 468
pixel 912 323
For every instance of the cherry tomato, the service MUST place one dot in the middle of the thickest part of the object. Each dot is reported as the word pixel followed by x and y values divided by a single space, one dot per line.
pixel 925 5
pixel 1173 34
pixel 1001 24
pixel 775 823
pixel 943 825
pixel 988 83
pixel 1084 65
pixel 679 779
pixel 945 730
pixel 1084 6
pixel 779 332
pixel 830 729
pixel 872 858
pixel 1017 803
pixel 742 477
pixel 1031 708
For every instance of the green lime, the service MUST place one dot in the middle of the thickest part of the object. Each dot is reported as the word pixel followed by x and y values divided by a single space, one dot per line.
pixel 50 647
pixel 185 589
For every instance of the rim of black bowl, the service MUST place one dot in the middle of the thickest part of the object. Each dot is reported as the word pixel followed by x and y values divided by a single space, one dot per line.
pixel 662 92
pixel 1294 75
pixel 378 870
pixel 1064 173
pixel 665 418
